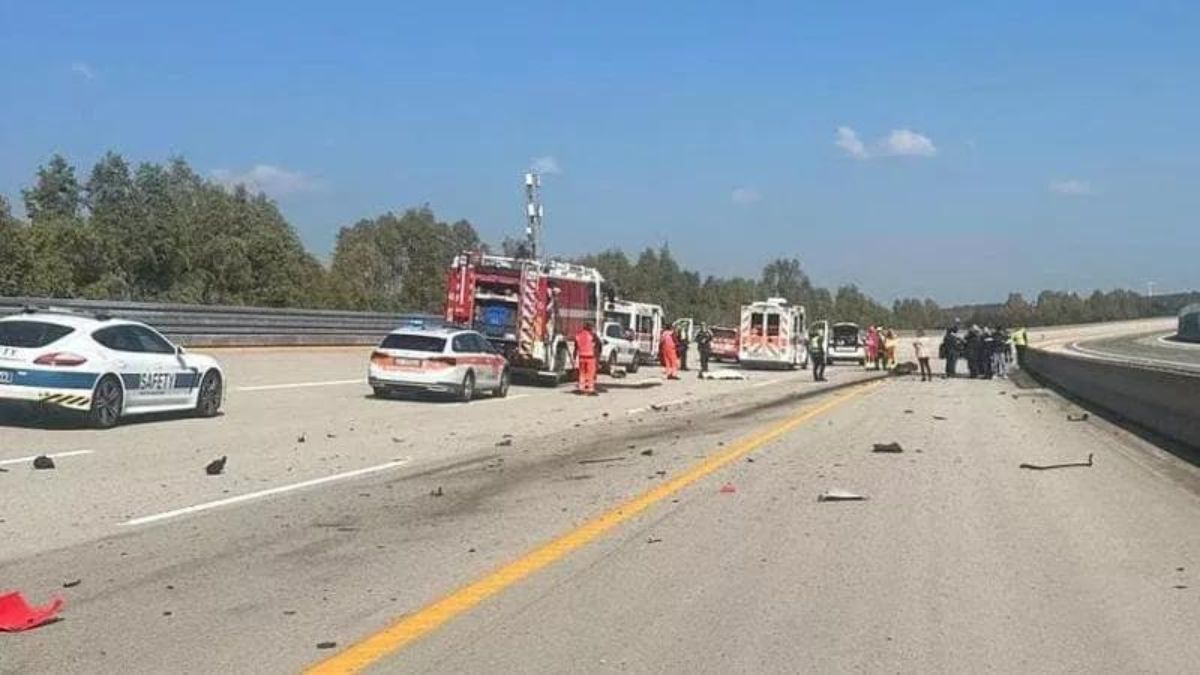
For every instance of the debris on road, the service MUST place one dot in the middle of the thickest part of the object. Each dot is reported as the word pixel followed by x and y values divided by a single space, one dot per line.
pixel 1043 467
pixel 73 583
pixel 647 452
pixel 908 411
pixel 727 488
pixel 504 443
pixel 723 375
pixel 836 495
pixel 326 645
pixel 656 407
pixel 335 435
pixel 940 418
pixel 17 615
pixel 602 460
pixel 1082 417
pixel 887 447
pixel 302 438
pixel 906 368
pixel 43 462
pixel 216 467
pixel 437 493
pixel 654 540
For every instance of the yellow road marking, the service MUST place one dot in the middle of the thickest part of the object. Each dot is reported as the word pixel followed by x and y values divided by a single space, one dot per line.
pixel 414 626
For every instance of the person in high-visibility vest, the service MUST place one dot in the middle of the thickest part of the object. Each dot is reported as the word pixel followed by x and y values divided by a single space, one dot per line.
pixel 667 351
pixel 1020 340
pixel 585 360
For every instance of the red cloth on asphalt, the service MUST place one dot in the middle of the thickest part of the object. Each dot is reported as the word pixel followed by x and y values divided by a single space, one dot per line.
pixel 17 615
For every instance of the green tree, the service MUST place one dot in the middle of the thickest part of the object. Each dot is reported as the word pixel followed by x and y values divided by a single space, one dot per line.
pixel 56 195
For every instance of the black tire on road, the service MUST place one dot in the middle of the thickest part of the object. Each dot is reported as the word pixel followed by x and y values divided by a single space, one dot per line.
pixel 107 402
pixel 501 390
pixel 208 399
pixel 466 390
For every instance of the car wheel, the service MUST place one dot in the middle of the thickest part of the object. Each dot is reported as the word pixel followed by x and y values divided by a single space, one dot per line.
pixel 612 362
pixel 466 390
pixel 502 390
pixel 107 402
pixel 635 364
pixel 208 400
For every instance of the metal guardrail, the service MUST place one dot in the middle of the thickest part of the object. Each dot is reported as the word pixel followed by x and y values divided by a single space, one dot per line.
pixel 1164 401
pixel 218 326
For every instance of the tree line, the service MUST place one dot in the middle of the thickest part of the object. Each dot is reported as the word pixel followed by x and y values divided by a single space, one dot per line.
pixel 163 233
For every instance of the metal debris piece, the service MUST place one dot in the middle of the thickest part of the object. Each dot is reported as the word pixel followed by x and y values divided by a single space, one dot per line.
pixel 602 460
pixel 216 467
pixel 940 418
pixel 326 645
pixel 504 443
pixel 836 495
pixel 887 447
pixel 1081 417
pixel 653 540
pixel 647 452
pixel 73 583
pixel 437 493
pixel 302 438
pixel 1067 465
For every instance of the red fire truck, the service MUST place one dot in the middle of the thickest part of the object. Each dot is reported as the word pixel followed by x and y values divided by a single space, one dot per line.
pixel 529 310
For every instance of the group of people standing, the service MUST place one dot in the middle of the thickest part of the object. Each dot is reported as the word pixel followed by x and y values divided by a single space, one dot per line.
pixel 988 352
pixel 880 346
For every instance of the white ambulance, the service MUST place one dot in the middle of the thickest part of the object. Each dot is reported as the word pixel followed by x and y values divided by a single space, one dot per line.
pixel 773 334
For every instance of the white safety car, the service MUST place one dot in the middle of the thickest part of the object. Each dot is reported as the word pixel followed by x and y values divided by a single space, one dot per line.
pixel 102 367
pixel 618 349
pixel 439 360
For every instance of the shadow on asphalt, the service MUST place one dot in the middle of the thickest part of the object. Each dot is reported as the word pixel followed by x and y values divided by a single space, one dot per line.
pixel 48 419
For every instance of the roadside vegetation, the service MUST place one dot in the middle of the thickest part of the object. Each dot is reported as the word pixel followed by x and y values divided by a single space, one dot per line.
pixel 163 233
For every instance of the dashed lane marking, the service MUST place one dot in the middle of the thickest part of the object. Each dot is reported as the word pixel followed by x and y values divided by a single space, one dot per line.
pixel 261 494
pixel 302 385
pixel 428 619
pixel 21 460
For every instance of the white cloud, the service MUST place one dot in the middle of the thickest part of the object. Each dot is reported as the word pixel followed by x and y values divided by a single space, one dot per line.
pixel 907 143
pixel 1071 187
pixel 545 165
pixel 745 195
pixel 898 143
pixel 847 139
pixel 272 180
pixel 83 70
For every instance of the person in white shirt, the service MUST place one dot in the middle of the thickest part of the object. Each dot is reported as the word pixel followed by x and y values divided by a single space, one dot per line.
pixel 921 347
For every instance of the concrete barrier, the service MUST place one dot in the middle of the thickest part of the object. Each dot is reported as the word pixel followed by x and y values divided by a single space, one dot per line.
pixel 1163 401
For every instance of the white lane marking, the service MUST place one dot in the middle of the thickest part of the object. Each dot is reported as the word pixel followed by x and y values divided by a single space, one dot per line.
pixel 1127 358
pixel 634 411
pixel 188 510
pixel 1175 344
pixel 767 383
pixel 19 460
pixel 517 397
pixel 300 385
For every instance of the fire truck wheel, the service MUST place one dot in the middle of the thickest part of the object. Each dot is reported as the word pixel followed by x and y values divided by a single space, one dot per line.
pixel 637 363
pixel 466 390
pixel 502 389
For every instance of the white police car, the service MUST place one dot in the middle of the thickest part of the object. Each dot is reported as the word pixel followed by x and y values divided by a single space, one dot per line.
pixel 441 359
pixel 105 368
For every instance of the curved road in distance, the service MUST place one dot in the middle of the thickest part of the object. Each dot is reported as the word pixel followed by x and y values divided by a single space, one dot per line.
pixel 1155 350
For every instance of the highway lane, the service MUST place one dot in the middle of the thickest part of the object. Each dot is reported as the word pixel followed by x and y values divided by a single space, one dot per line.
pixel 150 468
pixel 1153 349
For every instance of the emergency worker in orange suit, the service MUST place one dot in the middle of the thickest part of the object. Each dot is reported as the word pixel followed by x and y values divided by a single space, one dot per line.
pixel 585 359
pixel 667 351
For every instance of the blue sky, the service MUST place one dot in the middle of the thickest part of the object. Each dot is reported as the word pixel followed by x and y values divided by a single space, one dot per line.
pixel 955 150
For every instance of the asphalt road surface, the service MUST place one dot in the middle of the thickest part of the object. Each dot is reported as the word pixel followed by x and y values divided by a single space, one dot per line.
pixel 660 527
pixel 1153 349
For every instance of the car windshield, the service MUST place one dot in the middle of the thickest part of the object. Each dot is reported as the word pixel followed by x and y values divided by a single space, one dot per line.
pixel 414 343
pixel 31 334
